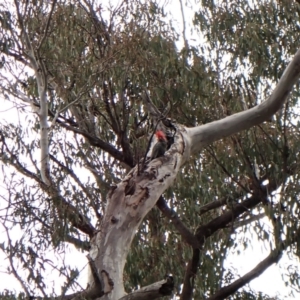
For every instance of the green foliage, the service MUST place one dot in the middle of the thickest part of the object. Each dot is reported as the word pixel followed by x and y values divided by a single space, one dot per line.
pixel 97 67
pixel 6 295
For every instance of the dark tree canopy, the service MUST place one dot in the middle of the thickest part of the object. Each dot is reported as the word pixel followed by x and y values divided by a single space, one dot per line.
pixel 84 69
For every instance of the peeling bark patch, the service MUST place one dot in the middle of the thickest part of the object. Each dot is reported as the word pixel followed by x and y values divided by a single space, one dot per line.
pixel 175 164
pixel 143 196
pixel 152 174
pixel 130 187
pixel 163 178
pixel 114 220
pixel 108 284
pixel 93 249
pixel 183 144
pixel 140 197
pixel 147 194
pixel 111 191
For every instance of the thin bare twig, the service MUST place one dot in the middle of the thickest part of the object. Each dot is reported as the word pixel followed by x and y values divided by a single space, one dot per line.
pixel 10 258
pixel 47 25
pixel 186 45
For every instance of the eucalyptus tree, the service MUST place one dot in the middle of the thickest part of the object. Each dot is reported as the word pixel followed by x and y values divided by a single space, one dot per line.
pixel 91 84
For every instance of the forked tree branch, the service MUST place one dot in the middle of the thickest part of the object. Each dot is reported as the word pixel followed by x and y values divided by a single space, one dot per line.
pixel 63 207
pixel 94 141
pixel 207 230
pixel 42 84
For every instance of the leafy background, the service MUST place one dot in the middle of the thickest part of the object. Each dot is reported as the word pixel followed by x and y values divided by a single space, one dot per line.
pixel 98 64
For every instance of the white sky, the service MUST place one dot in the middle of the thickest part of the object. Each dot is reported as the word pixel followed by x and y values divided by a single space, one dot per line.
pixel 270 282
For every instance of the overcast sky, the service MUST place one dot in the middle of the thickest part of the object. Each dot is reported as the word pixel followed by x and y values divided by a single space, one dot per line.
pixel 270 282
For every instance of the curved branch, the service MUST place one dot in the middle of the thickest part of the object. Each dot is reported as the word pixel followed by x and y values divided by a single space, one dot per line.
pixel 73 175
pixel 204 135
pixel 152 109
pixel 10 256
pixel 214 204
pixel 94 141
pixel 249 220
pixel 186 234
pixel 228 290
pixel 153 291
pixel 47 25
pixel 226 218
pixel 41 80
pixel 64 208
pixel 190 274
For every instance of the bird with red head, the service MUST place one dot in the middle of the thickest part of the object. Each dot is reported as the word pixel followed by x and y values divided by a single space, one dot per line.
pixel 160 135
pixel 160 147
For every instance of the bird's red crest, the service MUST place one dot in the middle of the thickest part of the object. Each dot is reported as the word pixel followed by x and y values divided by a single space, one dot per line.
pixel 160 135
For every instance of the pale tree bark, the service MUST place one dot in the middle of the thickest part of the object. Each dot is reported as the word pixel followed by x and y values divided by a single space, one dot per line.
pixel 152 291
pixel 204 135
pixel 36 63
pixel 128 204
pixel 138 192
